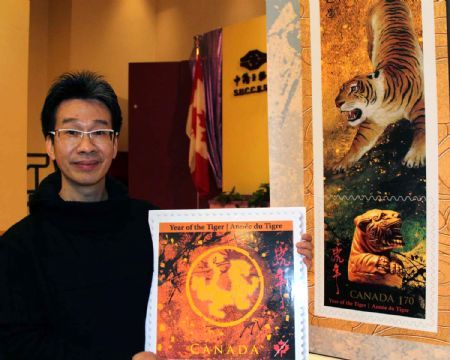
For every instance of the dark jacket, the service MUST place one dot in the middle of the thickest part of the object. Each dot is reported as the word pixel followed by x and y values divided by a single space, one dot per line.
pixel 75 277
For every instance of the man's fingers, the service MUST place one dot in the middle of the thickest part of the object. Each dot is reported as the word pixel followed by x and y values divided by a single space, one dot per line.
pixel 307 237
pixel 308 262
pixel 144 355
pixel 305 248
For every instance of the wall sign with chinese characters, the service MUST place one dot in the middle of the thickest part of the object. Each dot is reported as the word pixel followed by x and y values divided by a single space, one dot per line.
pixel 228 283
pixel 253 80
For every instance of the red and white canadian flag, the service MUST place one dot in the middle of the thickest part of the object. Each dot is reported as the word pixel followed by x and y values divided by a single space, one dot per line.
pixel 196 131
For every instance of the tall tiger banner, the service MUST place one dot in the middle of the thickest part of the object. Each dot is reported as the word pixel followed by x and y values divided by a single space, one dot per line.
pixel 376 175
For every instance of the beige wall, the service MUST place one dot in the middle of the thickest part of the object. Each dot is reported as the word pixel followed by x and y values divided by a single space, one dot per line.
pixel 38 79
pixel 100 35
pixel 14 18
pixel 37 70
pixel 105 35
pixel 59 36
pixel 179 20
pixel 245 129
pixel 108 34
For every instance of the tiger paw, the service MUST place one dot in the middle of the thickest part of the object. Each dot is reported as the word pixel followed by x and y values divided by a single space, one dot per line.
pixel 383 265
pixel 396 268
pixel 414 158
pixel 343 165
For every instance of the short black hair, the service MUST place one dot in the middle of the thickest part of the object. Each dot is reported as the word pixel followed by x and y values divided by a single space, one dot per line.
pixel 79 85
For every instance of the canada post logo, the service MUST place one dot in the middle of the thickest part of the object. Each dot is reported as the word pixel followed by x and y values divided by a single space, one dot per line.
pixel 253 80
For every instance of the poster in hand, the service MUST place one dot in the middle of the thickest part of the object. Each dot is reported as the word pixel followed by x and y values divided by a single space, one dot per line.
pixel 228 283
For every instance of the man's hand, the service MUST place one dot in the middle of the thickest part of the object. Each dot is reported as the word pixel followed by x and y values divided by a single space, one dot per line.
pixel 145 355
pixel 305 248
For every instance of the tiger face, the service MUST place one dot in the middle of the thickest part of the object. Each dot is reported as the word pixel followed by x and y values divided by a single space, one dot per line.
pixel 382 229
pixel 372 259
pixel 357 97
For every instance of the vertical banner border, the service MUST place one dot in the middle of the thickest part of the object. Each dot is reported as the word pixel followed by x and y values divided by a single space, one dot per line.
pixel 429 323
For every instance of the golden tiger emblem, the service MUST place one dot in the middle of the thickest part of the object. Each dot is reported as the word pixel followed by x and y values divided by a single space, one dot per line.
pixel 394 91
pixel 371 260
pixel 241 285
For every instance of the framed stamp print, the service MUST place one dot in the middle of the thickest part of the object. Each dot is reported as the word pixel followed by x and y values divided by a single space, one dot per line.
pixel 228 283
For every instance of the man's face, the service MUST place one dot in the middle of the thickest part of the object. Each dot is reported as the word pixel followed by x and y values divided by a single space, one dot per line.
pixel 83 163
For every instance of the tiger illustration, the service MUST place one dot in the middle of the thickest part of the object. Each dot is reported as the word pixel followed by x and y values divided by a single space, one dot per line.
pixel 241 285
pixel 371 260
pixel 393 91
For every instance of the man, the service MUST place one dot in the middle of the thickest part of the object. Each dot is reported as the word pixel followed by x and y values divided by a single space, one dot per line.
pixel 75 274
